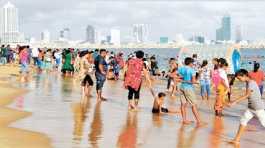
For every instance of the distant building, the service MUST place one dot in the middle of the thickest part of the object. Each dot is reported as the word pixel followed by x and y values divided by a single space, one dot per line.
pixel 238 34
pixel 141 32
pixel 108 38
pixel 90 34
pixel 224 32
pixel 199 39
pixel 9 26
pixel 45 36
pixel 65 34
pixel 115 36
pixel 163 40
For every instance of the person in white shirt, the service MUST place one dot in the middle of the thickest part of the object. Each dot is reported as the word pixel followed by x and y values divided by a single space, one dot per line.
pixel 35 54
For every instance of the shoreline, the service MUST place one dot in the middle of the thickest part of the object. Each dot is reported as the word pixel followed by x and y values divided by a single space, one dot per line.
pixel 23 138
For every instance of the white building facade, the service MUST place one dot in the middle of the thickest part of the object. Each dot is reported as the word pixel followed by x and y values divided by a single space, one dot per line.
pixel 9 25
pixel 115 36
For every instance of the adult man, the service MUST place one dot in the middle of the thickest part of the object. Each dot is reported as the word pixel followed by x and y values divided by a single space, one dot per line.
pixel 101 67
pixel 35 56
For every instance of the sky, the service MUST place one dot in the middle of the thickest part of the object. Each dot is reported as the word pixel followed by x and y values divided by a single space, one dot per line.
pixel 166 17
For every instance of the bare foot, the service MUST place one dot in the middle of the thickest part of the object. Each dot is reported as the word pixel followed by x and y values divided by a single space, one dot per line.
pixel 201 124
pixel 235 142
pixel 187 122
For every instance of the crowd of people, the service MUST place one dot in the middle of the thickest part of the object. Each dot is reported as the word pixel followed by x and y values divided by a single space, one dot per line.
pixel 182 78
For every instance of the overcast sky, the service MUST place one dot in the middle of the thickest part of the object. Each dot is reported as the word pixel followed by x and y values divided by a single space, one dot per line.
pixel 166 17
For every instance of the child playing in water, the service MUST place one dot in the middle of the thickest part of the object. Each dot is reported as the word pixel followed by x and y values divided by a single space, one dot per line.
pixel 158 104
pixel 255 103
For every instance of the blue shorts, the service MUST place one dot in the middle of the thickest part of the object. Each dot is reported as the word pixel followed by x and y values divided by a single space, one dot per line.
pixel 100 80
pixel 205 88
pixel 24 68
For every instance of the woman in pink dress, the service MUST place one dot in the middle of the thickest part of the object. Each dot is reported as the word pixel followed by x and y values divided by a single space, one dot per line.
pixel 133 78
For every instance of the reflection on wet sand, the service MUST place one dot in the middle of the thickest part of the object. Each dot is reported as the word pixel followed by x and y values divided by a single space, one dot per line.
pixel 186 141
pixel 128 135
pixel 217 131
pixel 157 122
pixel 96 127
pixel 11 137
pixel 80 111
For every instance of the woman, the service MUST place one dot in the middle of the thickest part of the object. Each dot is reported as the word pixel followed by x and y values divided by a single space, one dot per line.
pixel 24 63
pixel 133 78
pixel 222 86
pixel 86 69
pixel 258 75
pixel 68 67
pixel 205 80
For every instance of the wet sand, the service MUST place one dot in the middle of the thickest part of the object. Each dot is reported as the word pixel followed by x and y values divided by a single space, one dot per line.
pixel 11 137
pixel 58 113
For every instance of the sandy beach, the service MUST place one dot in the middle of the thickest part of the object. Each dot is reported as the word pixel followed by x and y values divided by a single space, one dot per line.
pixel 11 137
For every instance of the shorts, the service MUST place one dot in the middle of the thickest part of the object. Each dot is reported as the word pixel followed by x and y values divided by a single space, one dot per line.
pixel 157 111
pixel 48 65
pixel 24 68
pixel 87 80
pixel 205 88
pixel 249 114
pixel 100 78
pixel 188 95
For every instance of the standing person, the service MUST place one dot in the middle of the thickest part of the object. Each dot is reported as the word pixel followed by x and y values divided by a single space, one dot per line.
pixel 255 103
pixel 258 75
pixel 35 54
pixel 3 55
pixel 205 80
pixel 188 96
pixel 154 66
pixel 101 67
pixel 58 57
pixel 223 87
pixel 133 78
pixel 172 67
pixel 196 65
pixel 86 69
pixel 48 61
pixel 23 57
pixel 68 67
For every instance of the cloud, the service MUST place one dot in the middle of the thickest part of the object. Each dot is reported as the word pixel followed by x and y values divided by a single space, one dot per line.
pixel 166 18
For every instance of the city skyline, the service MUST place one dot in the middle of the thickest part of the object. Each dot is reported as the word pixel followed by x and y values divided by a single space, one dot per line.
pixel 187 18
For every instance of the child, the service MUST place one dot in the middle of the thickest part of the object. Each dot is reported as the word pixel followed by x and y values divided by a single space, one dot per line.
pixel 188 95
pixel 158 104
pixel 255 103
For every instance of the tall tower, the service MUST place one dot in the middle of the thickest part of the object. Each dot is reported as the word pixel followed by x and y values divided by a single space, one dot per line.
pixel 90 34
pixel 224 32
pixel 141 32
pixel 9 32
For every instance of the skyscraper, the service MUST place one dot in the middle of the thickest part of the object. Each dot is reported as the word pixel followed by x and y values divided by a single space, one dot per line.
pixel 238 34
pixel 9 32
pixel 224 32
pixel 65 34
pixel 90 34
pixel 115 36
pixel 45 36
pixel 141 33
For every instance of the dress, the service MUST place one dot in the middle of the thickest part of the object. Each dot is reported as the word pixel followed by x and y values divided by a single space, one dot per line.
pixel 67 65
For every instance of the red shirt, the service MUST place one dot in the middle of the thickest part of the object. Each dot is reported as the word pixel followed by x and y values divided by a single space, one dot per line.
pixel 134 73
pixel 257 76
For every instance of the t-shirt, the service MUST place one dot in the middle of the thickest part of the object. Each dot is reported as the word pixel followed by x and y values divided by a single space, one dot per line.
pixel 254 101
pixel 100 60
pixel 257 76
pixel 205 75
pixel 186 73
pixel 35 52
pixel 223 75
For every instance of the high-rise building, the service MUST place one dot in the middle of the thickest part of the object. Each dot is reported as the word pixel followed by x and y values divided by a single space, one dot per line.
pixel 224 32
pixel 45 36
pixel 65 34
pixel 163 40
pixel 9 32
pixel 141 32
pixel 238 34
pixel 90 34
pixel 115 36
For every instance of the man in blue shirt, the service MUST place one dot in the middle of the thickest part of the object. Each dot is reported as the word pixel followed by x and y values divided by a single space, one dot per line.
pixel 101 67
pixel 188 96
